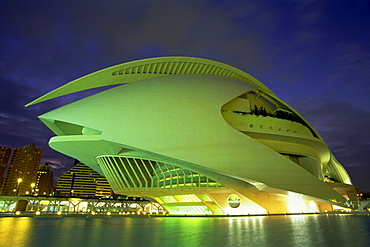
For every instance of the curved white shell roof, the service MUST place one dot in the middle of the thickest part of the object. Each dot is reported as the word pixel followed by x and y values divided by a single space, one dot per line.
pixel 150 68
pixel 173 113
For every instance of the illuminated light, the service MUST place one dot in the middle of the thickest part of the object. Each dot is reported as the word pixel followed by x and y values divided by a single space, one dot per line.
pixel 339 208
pixel 169 199
pixel 133 213
pixel 296 203
pixel 59 213
pixel 109 213
pixel 247 207
pixel 93 213
pixel 292 194
pixel 37 213
pixel 144 213
pixel 186 210
pixel 312 207
pixel 187 198
pixel 17 213
pixel 75 200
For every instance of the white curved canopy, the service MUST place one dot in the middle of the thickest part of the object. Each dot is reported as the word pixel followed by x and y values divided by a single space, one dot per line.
pixel 150 68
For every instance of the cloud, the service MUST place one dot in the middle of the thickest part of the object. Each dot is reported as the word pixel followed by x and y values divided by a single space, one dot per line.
pixel 345 129
pixel 348 67
pixel 298 49
pixel 60 41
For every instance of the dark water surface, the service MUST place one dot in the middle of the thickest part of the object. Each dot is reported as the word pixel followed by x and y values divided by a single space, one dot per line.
pixel 293 230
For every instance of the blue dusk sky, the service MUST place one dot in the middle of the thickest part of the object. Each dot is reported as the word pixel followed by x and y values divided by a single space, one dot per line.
pixel 313 54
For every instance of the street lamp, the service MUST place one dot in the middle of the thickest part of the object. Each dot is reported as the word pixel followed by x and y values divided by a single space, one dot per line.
pixel 19 180
pixel 33 187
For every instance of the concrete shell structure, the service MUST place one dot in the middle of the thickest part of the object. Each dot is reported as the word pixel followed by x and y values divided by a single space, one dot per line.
pixel 200 137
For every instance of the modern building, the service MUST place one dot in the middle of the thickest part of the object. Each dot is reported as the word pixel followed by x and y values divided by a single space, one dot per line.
pixel 82 181
pixel 199 137
pixel 44 181
pixel 22 170
pixel 4 160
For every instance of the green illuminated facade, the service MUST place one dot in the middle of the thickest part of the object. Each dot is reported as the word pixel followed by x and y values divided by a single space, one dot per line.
pixel 199 137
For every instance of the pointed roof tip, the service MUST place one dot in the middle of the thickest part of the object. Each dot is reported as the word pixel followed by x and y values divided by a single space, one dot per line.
pixel 38 100
pixel 33 102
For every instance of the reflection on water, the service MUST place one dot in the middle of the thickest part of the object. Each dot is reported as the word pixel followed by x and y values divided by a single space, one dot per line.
pixel 293 230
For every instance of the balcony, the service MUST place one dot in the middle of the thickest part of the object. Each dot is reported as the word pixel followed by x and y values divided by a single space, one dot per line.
pixel 253 123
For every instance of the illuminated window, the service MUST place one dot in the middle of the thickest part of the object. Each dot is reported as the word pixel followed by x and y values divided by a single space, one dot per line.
pixel 168 199
pixel 187 198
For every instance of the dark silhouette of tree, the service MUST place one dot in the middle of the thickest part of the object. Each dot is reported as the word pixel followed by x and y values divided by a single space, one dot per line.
pixel 278 113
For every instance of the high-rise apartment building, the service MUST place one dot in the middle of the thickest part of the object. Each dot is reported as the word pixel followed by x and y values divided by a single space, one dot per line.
pixel 22 170
pixel 44 181
pixel 82 181
pixel 4 160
